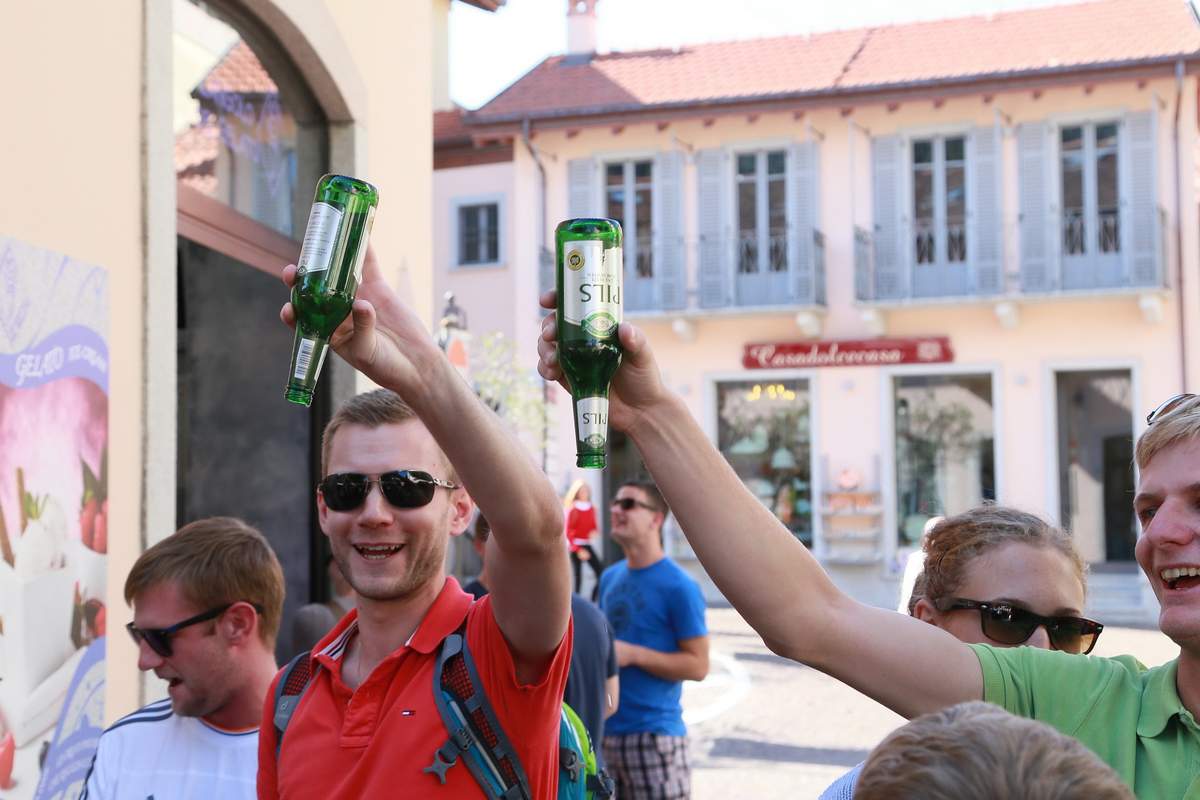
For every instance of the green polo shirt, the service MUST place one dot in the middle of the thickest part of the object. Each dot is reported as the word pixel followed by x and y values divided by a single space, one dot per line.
pixel 1129 715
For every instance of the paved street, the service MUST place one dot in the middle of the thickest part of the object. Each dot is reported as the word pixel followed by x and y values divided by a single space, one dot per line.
pixel 764 727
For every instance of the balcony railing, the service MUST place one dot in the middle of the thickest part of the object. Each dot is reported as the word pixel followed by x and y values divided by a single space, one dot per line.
pixel 1075 241
pixel 1108 251
pixel 1074 254
pixel 728 273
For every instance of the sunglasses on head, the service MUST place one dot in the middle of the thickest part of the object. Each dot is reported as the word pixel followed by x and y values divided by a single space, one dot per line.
pixel 403 488
pixel 1008 624
pixel 1167 406
pixel 629 504
pixel 159 639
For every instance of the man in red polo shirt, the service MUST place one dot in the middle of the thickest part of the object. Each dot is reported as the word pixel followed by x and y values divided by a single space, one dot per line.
pixel 401 477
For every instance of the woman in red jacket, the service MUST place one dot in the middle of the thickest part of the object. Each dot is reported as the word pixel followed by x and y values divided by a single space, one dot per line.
pixel 581 527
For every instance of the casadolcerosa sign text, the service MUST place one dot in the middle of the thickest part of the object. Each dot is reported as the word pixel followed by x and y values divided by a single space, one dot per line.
pixel 848 353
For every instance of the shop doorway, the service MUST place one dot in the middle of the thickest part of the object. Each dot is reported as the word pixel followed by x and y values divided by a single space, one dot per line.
pixel 243 451
pixel 1095 461
pixel 250 143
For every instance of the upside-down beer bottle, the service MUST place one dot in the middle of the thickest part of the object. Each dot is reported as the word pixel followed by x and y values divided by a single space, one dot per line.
pixel 589 272
pixel 329 270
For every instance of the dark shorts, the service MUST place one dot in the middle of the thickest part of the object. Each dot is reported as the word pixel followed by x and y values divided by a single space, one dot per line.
pixel 649 766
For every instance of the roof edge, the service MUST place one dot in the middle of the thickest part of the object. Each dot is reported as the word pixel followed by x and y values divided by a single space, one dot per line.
pixel 486 5
pixel 480 118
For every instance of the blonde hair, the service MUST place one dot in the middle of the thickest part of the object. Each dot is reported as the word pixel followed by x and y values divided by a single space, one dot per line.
pixel 956 541
pixel 1180 424
pixel 979 750
pixel 573 492
pixel 215 561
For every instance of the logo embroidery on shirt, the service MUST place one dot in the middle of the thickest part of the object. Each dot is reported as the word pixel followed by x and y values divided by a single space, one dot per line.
pixel 408 712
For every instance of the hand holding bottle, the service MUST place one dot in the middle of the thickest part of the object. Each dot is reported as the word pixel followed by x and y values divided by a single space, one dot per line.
pixel 637 386
pixel 382 337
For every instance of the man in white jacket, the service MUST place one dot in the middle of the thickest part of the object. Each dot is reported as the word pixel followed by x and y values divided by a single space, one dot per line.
pixel 206 607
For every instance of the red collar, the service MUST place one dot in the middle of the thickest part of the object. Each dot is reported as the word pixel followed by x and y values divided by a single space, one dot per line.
pixel 443 618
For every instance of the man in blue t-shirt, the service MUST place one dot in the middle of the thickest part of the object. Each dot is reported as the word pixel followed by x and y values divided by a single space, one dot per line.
pixel 657 613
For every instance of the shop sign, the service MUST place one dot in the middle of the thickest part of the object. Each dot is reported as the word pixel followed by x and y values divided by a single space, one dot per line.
pixel 848 353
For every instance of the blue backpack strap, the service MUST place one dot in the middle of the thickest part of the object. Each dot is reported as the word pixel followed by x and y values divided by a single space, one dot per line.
pixel 296 677
pixel 475 732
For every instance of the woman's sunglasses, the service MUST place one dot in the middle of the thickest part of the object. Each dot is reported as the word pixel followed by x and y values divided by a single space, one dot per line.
pixel 159 639
pixel 403 488
pixel 1006 624
pixel 1167 406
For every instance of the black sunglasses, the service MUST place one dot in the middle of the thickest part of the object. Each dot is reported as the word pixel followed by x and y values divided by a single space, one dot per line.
pixel 629 504
pixel 159 639
pixel 1008 624
pixel 403 488
pixel 1167 406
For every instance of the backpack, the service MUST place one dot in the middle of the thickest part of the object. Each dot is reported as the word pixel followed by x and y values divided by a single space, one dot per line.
pixel 475 733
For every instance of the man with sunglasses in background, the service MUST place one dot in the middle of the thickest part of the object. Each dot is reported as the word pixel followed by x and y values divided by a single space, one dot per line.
pixel 1142 722
pixel 398 464
pixel 657 614
pixel 206 607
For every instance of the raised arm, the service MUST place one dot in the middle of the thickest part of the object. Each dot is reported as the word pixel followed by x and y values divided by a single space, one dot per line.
pixel 527 557
pixel 764 571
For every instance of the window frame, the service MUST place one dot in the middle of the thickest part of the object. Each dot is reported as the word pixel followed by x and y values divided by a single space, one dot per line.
pixel 1091 191
pixel 456 206
pixel 711 382
pixel 630 185
pixel 937 167
pixel 887 472
pixel 762 205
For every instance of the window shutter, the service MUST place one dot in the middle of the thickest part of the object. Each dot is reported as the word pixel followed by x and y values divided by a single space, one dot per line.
pixel 802 219
pixel 1141 232
pixel 887 160
pixel 581 194
pixel 581 187
pixel 1036 215
pixel 985 207
pixel 667 208
pixel 712 167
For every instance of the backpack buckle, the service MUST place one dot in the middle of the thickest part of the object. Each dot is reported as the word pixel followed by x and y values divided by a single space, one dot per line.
pixel 570 761
pixel 444 758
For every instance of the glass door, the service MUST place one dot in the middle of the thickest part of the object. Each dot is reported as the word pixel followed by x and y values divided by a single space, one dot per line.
pixel 1095 461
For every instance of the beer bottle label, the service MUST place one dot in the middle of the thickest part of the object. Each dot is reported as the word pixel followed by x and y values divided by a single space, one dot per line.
pixel 592 421
pixel 592 287
pixel 316 254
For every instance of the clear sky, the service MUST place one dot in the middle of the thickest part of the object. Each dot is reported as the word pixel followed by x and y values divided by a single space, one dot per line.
pixel 489 51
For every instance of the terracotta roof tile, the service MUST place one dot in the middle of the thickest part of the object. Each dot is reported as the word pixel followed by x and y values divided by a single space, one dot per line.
pixel 448 127
pixel 1057 37
pixel 1052 38
pixel 196 150
pixel 240 72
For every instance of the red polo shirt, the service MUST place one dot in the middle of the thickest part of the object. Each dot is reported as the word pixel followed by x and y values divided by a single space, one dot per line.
pixel 375 741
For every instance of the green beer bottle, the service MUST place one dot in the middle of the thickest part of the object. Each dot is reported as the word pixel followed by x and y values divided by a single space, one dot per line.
pixel 329 269
pixel 589 272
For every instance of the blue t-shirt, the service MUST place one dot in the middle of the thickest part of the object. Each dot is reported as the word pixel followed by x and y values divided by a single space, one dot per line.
pixel 656 607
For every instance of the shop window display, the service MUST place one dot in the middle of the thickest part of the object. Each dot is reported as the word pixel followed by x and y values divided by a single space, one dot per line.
pixel 763 430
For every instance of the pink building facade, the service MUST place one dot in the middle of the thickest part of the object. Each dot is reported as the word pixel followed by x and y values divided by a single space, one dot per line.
pixel 894 272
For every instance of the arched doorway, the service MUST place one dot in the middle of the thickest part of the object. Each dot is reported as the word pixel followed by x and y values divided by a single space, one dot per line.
pixel 250 142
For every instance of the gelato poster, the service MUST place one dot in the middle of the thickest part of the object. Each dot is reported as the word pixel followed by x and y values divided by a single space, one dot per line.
pixel 54 313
